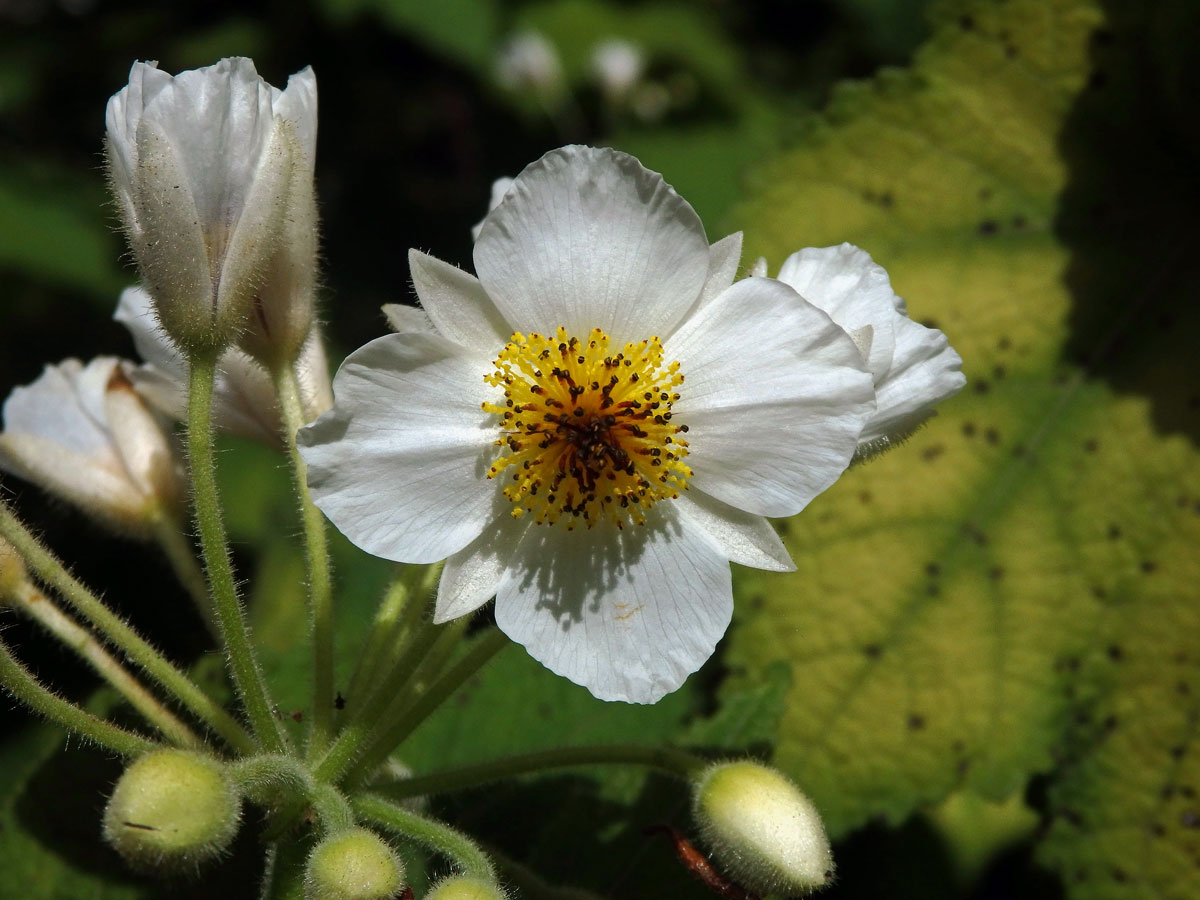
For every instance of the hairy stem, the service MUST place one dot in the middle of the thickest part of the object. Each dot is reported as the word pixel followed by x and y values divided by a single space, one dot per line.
pixel 247 678
pixel 442 839
pixel 136 649
pixel 23 686
pixel 39 607
pixel 664 759
pixel 320 606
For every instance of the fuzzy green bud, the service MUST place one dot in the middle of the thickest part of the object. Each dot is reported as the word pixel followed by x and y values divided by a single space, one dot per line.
pixel 355 864
pixel 466 887
pixel 172 809
pixel 762 829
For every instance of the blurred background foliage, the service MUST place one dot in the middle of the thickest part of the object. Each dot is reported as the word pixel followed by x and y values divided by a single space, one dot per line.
pixel 986 668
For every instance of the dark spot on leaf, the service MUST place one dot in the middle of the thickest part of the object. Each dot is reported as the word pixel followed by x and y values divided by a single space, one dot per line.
pixel 864 497
pixel 966 23
pixel 968 429
pixel 1148 566
pixel 932 590
pixel 872 651
pixel 1109 725
pixel 886 199
pixel 1072 817
pixel 1186 790
pixel 985 193
pixel 973 532
pixel 992 436
pixel 933 569
pixel 996 573
pixel 1004 344
pixel 1157 830
pixel 929 454
pixel 1168 792
pixel 1189 818
pixel 1182 688
pixel 1178 751
pixel 988 227
pixel 1091 445
pixel 1114 532
pixel 1119 875
pixel 1098 592
pixel 999 372
pixel 339 702
pixel 916 721
pixel 1010 51
pixel 982 387
pixel 1019 223
pixel 1115 652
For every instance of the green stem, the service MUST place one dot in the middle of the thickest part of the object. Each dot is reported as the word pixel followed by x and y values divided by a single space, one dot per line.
pixel 320 590
pixel 247 677
pixel 52 572
pixel 665 759
pixel 277 780
pixel 398 614
pixel 442 839
pixel 38 607
pixel 182 557
pixel 383 743
pixel 364 720
pixel 283 876
pixel 23 686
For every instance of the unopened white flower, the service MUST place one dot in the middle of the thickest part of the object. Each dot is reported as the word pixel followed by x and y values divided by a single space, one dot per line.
pixel 914 367
pixel 499 188
pixel 209 169
pixel 83 434
pixel 529 62
pixel 597 427
pixel 617 65
pixel 243 397
pixel 762 829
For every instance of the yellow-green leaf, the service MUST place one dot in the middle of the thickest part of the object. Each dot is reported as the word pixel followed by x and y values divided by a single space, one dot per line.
pixel 1015 590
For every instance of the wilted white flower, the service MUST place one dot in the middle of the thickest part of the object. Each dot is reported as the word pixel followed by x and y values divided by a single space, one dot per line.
pixel 598 425
pixel 529 62
pixel 243 397
pixel 617 66
pixel 83 434
pixel 212 172
pixel 914 367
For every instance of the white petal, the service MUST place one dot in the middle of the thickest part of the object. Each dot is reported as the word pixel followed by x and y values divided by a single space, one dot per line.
pixel 854 291
pixel 471 575
pixel 925 370
pixel 457 304
pixel 744 538
pixel 627 614
pixel 775 397
pixel 723 259
pixel 587 238
pixel 135 310
pixel 399 464
pixel 406 318
pixel 298 105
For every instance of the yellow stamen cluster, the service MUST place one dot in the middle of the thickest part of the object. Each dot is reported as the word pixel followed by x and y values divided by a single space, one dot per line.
pixel 588 432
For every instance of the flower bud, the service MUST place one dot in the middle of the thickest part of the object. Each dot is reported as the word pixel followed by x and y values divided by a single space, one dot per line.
pixel 527 62
pixel 762 830
pixel 204 169
pixel 355 864
pixel 465 887
pixel 83 433
pixel 172 809
pixel 618 66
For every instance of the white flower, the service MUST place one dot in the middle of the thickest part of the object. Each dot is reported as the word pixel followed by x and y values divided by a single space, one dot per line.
pixel 243 396
pixel 914 367
pixel 529 62
pixel 83 434
pixel 598 425
pixel 208 168
pixel 617 65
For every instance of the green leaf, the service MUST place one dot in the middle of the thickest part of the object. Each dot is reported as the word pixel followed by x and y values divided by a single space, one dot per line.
pixel 957 601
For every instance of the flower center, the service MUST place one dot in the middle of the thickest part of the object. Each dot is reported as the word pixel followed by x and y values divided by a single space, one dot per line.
pixel 588 431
